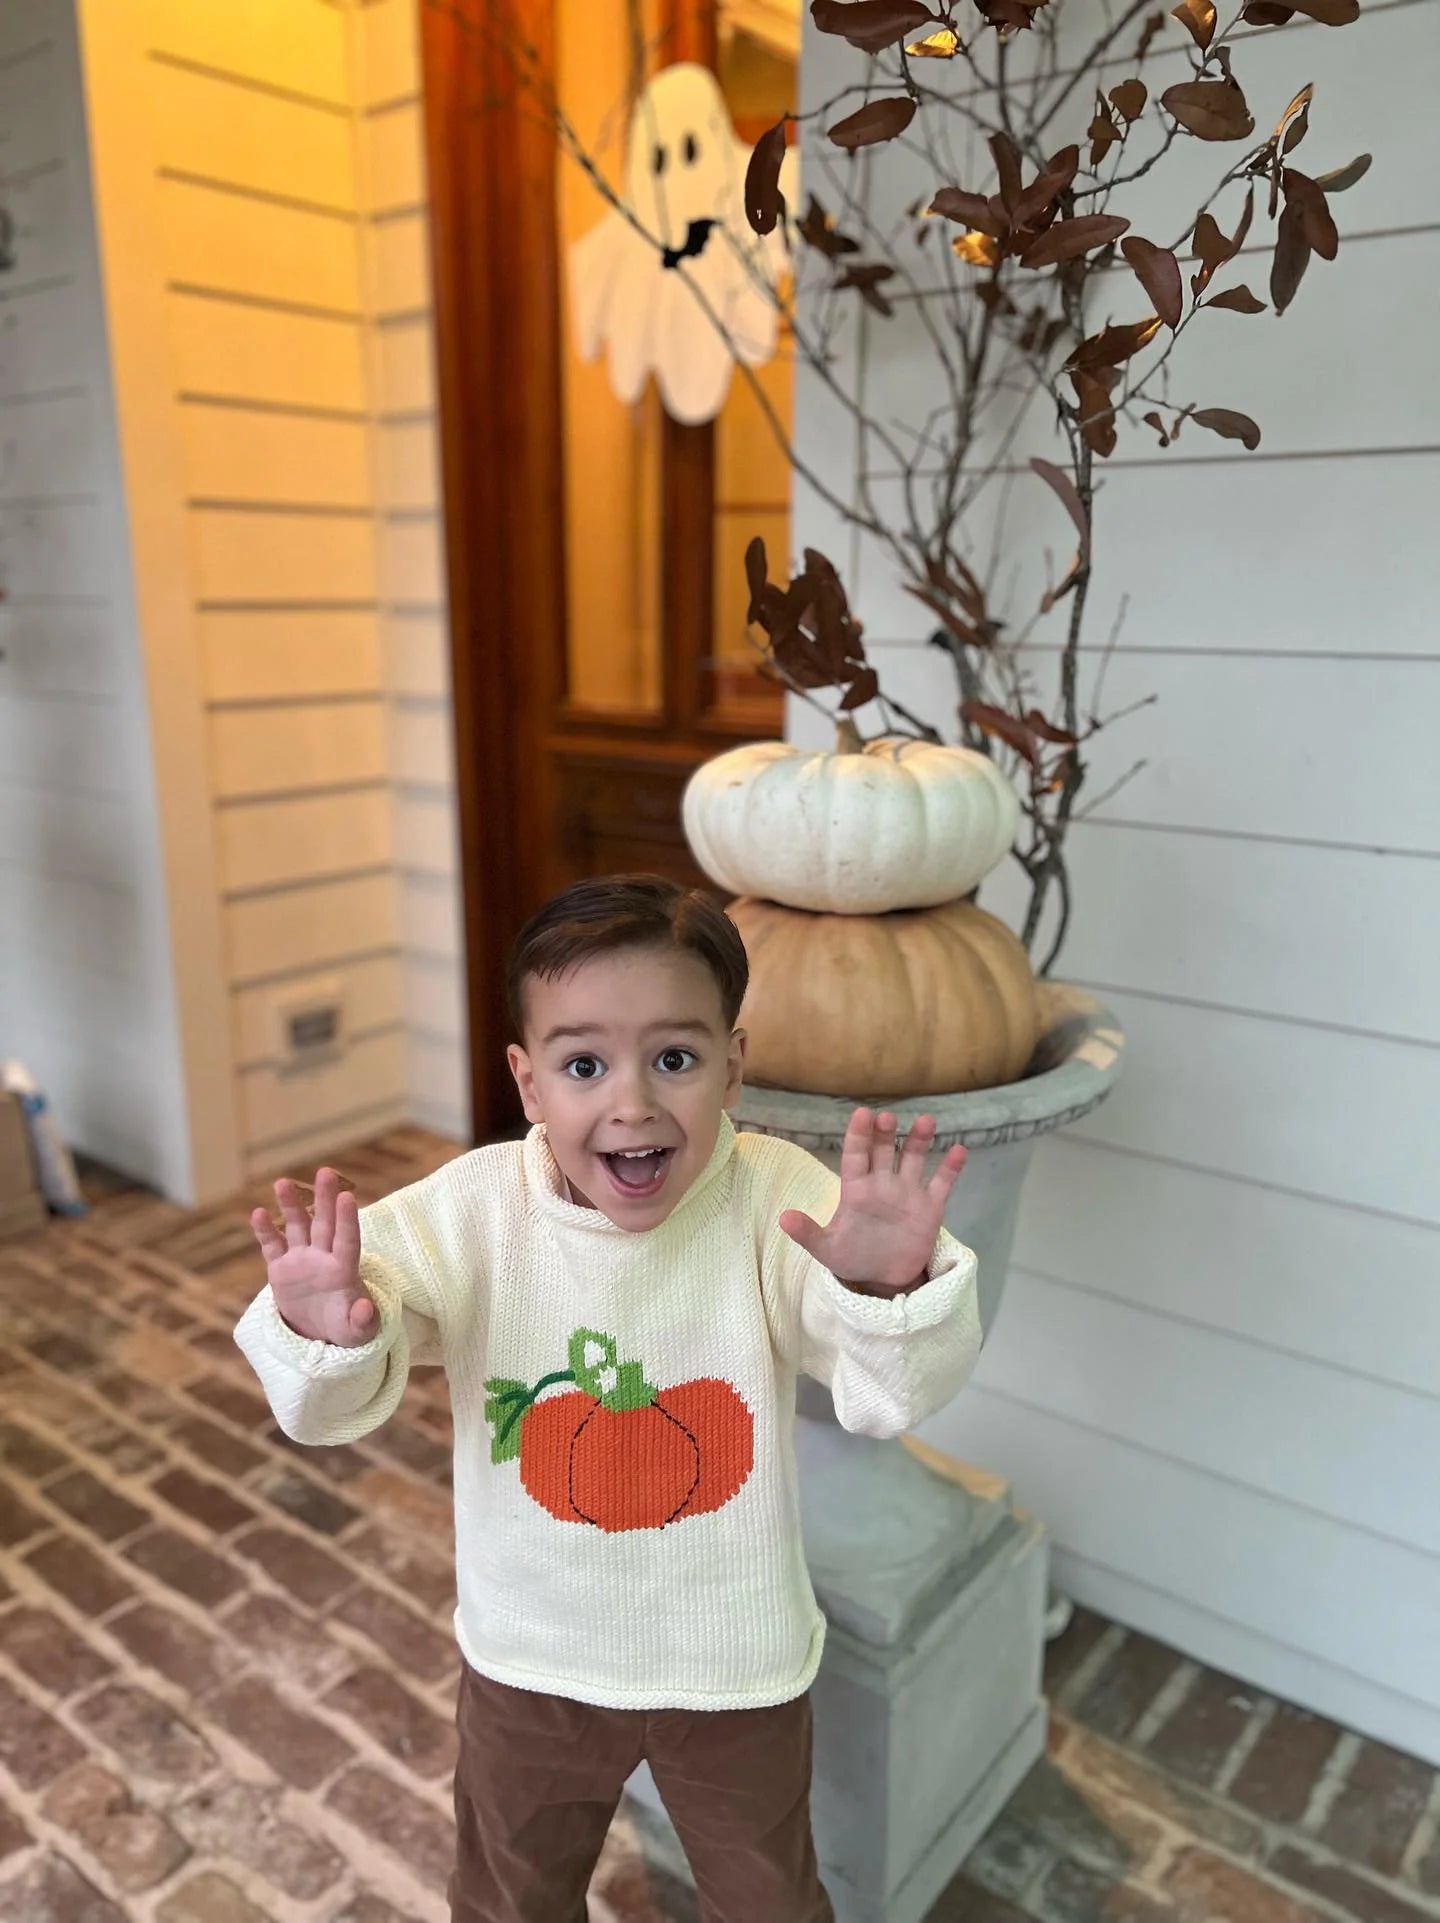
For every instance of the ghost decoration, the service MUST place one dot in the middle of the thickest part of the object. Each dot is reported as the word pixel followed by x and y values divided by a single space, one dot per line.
pixel 650 308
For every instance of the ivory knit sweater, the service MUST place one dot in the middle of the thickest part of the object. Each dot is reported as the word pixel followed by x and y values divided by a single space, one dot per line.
pixel 630 1534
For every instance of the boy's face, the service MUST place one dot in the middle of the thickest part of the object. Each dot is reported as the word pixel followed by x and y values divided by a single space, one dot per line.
pixel 629 1051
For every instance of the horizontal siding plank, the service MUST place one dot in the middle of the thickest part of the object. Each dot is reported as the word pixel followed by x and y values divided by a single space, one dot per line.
pixel 270 41
pixel 58 743
pixel 1235 1649
pixel 250 655
pixel 398 252
pixel 310 928
pixel 408 465
pixel 1323 1113
pixel 67 914
pixel 389 51
pixel 56 550
pixel 1355 1450
pixel 1228 1549
pixel 416 650
pixel 425 833
pixel 1247 924
pixel 422 747
pixel 49 338
pixel 434 999
pixel 437 1073
pixel 412 563
pixel 429 916
pixel 274 751
pixel 285 841
pixel 204 124
pixel 371 990
pixel 258 557
pixel 1312 1278
pixel 303 1150
pixel 277 1102
pixel 59 649
pixel 253 353
pixel 257 247
pixel 392 147
pixel 232 454
pixel 1290 578
pixel 50 446
pixel 1317 750
pixel 406 370
pixel 1310 382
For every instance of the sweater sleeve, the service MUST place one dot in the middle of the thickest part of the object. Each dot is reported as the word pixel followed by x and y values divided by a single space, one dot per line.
pixel 888 1361
pixel 322 1393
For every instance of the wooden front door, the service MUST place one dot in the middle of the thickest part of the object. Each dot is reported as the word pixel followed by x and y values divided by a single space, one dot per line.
pixel 594 552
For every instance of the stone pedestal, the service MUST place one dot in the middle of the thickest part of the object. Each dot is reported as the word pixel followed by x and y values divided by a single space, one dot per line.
pixel 928 1709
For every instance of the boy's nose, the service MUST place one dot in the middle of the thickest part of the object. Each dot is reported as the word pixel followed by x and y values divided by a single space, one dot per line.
pixel 634 1099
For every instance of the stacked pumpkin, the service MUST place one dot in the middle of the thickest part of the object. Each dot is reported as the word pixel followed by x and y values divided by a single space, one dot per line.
pixel 871 974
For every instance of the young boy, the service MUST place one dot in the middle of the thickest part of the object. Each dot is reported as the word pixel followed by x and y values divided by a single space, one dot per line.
pixel 622 1303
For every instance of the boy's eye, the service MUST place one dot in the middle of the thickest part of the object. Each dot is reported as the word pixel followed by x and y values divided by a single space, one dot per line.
pixel 674 1060
pixel 584 1068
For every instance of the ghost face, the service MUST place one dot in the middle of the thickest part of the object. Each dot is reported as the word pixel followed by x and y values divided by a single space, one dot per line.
pixel 681 171
pixel 684 289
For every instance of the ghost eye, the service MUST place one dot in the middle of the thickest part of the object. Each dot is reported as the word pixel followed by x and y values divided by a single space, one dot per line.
pixel 692 150
pixel 657 160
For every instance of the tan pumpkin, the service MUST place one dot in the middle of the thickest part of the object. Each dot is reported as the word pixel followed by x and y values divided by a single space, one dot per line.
pixel 895 824
pixel 928 1001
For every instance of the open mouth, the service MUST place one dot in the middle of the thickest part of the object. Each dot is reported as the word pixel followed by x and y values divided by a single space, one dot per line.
pixel 638 1173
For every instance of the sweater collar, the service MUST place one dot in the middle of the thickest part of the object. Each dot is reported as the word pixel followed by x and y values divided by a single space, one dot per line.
pixel 547 1185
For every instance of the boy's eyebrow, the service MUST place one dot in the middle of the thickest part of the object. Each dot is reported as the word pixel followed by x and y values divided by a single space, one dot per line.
pixel 580 1031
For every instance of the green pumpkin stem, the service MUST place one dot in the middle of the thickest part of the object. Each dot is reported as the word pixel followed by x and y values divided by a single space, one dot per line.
pixel 628 1391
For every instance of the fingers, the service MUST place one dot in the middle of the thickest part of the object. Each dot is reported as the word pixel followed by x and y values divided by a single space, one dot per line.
pixel 856 1148
pixel 272 1243
pixel 292 1209
pixel 916 1150
pixel 364 1317
pixel 802 1230
pixel 948 1173
pixel 322 1214
pixel 346 1244
pixel 882 1155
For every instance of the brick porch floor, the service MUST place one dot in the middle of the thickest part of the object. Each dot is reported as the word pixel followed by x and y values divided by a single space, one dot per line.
pixel 226 1672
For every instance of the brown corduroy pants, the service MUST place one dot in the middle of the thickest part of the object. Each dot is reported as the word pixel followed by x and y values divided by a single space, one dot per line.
pixel 539 1779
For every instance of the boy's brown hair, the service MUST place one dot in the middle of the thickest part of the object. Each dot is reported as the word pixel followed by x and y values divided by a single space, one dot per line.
pixel 627 911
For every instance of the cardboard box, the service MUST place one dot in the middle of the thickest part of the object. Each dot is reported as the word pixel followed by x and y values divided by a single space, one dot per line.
pixel 21 1205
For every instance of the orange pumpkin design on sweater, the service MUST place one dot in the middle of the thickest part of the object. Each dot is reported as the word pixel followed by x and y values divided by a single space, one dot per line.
pixel 616 1452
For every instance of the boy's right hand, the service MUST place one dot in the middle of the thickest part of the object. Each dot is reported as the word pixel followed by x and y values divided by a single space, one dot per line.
pixel 314 1267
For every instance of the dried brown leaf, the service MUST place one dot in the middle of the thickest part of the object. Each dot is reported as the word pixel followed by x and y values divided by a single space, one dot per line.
pixel 977 249
pixel 1115 344
pixel 1238 300
pixel 1096 415
pixel 863 688
pixel 1210 109
pixel 1343 177
pixel 943 44
pixel 1315 214
pixel 1329 13
pixel 764 202
pixel 1152 419
pixel 1069 495
pixel 1068 239
pixel 870 25
pixel 1005 727
pixel 1154 24
pixel 1197 17
pixel 1225 421
pixel 1158 272
pixel 1294 123
pixel 1267 13
pixel 1292 257
pixel 1128 99
pixel 1007 166
pixel 876 121
pixel 1048 731
pixel 973 210
pixel 1046 188
pixel 818 229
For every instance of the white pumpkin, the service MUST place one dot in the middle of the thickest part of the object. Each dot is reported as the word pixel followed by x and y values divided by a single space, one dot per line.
pixel 898 824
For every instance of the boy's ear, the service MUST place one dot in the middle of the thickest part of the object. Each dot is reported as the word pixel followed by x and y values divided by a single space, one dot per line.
pixel 524 1075
pixel 735 1068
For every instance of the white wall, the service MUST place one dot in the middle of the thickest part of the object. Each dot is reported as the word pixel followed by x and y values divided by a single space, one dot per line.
pixel 88 997
pixel 1217 1369
pixel 260 191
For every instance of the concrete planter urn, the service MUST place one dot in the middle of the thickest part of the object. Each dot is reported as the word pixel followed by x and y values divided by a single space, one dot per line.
pixel 928 1706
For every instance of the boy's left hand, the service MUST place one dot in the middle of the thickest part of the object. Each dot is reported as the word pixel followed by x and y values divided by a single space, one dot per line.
pixel 883 1231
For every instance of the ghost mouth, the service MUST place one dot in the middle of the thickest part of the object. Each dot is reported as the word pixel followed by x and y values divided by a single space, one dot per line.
pixel 696 235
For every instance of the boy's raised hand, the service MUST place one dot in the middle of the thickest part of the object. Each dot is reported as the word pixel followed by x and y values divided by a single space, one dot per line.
pixel 883 1231
pixel 314 1267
